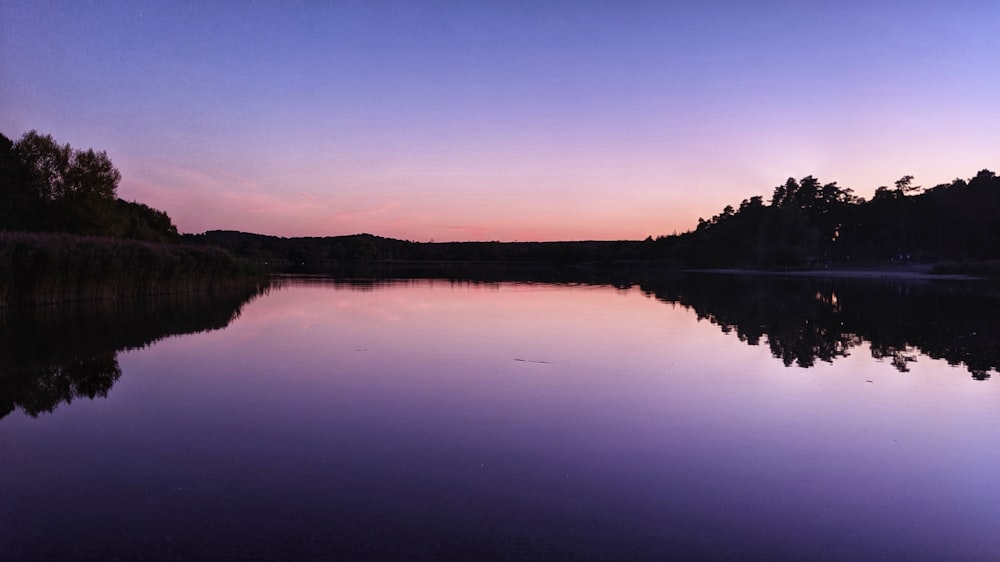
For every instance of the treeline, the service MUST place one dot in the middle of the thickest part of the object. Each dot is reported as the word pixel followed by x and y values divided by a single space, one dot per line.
pixel 66 236
pixel 810 223
pixel 318 254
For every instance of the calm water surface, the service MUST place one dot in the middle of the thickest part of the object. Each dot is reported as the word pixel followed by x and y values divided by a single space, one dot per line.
pixel 457 421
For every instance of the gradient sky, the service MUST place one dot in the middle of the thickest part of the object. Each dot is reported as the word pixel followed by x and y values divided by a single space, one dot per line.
pixel 501 120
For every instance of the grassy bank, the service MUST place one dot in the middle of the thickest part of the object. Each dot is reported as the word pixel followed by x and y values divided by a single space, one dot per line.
pixel 40 268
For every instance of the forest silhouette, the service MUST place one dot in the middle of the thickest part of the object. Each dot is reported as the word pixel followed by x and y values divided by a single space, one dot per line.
pixel 810 223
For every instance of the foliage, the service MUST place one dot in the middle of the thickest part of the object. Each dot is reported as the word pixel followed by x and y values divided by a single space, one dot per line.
pixel 58 173
pixel 46 186
pixel 809 223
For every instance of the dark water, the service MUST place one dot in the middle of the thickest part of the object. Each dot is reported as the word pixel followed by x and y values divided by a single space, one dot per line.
pixel 700 418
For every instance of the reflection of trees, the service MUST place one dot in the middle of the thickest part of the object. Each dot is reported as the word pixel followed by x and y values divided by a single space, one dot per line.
pixel 804 320
pixel 957 323
pixel 54 354
pixel 43 388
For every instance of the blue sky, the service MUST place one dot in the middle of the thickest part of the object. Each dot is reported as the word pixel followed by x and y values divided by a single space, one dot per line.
pixel 505 120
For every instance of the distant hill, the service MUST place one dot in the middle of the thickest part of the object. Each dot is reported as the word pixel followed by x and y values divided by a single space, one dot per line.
pixel 318 253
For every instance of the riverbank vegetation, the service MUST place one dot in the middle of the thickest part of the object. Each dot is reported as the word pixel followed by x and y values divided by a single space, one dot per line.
pixel 40 268
pixel 66 236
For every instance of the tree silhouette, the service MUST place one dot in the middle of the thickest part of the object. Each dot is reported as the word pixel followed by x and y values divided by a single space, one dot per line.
pixel 810 223
pixel 47 186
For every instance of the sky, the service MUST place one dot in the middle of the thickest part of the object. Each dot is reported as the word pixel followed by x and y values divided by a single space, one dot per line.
pixel 508 120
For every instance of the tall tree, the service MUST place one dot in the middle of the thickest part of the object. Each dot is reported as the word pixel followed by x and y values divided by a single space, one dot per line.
pixel 57 172
pixel 92 176
pixel 905 185
pixel 18 203
pixel 47 163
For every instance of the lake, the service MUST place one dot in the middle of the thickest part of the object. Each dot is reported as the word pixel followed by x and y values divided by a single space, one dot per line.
pixel 698 417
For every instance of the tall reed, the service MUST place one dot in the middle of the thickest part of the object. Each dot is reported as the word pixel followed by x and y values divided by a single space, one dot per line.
pixel 41 268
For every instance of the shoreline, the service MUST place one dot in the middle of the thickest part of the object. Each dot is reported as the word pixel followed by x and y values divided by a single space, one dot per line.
pixel 917 272
pixel 55 268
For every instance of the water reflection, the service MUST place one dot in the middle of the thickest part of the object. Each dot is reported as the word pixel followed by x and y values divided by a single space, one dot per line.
pixel 805 320
pixel 55 354
pixel 51 355
pixel 808 320
pixel 450 420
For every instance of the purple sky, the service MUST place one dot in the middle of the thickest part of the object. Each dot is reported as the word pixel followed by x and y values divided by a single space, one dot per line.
pixel 501 121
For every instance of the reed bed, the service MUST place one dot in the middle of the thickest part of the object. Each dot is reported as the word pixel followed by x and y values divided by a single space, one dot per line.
pixel 46 268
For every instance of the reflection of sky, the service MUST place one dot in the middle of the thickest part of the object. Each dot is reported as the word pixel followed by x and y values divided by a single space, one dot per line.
pixel 500 120
pixel 572 418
